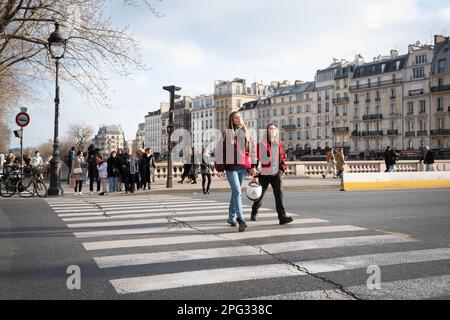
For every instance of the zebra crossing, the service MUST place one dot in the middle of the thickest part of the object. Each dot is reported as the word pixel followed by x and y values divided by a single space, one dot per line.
pixel 176 245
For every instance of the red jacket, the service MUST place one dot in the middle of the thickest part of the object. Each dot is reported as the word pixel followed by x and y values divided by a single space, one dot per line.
pixel 242 154
pixel 266 158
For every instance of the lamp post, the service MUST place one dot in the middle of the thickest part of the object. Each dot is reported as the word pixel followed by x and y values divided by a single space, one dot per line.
pixel 57 45
pixel 170 129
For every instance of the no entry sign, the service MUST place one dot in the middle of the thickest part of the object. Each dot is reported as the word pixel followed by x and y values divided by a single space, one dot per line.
pixel 22 119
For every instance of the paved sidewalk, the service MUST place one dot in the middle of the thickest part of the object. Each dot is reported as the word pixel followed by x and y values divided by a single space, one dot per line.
pixel 220 185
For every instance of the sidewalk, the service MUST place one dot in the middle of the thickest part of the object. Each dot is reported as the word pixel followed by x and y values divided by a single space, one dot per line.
pixel 159 187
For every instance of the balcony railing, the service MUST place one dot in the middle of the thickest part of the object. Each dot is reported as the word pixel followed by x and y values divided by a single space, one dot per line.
pixel 410 134
pixel 341 129
pixel 289 127
pixel 356 134
pixel 440 132
pixel 372 133
pixel 440 88
pixel 376 84
pixel 340 100
pixel 373 117
pixel 422 133
pixel 392 132
pixel 416 92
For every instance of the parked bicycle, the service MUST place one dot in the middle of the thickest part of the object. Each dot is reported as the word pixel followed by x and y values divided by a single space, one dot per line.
pixel 32 184
pixel 8 181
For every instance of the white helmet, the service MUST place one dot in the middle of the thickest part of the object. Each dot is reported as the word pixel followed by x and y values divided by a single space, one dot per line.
pixel 254 191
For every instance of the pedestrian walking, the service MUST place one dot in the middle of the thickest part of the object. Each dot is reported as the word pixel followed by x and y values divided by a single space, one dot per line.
pixel 36 164
pixel 149 166
pixel 139 155
pixel 272 159
pixel 393 157
pixel 331 164
pixel 236 155
pixel 92 168
pixel 102 168
pixel 70 157
pixel 387 156
pixel 187 153
pixel 113 171
pixel 206 170
pixel 193 170
pixel 78 172
pixel 340 163
pixel 428 159
pixel 121 179
pixel 130 166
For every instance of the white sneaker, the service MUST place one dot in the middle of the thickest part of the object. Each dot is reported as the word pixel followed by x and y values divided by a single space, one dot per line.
pixel 76 193
pixel 91 193
pixel 80 193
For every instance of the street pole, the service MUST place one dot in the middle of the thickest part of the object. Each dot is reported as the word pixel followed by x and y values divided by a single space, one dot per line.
pixel 55 181
pixel 169 148
pixel 21 151
pixel 170 129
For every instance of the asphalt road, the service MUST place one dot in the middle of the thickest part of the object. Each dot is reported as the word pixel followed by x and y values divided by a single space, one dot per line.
pixel 37 247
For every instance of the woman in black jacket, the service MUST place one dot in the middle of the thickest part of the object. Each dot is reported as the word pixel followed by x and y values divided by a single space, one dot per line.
pixel 92 168
pixel 148 167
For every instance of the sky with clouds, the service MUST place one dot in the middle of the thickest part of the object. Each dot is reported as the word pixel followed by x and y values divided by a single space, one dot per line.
pixel 199 41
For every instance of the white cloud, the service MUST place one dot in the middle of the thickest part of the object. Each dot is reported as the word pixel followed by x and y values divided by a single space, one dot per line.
pixel 389 14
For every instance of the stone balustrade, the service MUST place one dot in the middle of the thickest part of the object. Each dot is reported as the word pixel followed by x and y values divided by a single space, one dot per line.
pixel 311 169
pixel 314 169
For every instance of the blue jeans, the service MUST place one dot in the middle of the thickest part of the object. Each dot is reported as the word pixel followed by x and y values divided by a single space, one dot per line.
pixel 113 184
pixel 235 179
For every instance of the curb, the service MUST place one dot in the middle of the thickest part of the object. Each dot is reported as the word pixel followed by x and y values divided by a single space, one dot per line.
pixel 226 190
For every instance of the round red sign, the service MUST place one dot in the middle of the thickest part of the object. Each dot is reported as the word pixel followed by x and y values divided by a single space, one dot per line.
pixel 22 119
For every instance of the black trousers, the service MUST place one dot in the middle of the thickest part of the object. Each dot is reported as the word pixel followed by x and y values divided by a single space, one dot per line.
pixel 204 176
pixel 276 182
pixel 91 183
pixel 129 182
pixel 78 186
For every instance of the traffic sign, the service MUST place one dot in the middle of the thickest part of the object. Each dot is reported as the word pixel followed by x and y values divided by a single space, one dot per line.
pixel 22 119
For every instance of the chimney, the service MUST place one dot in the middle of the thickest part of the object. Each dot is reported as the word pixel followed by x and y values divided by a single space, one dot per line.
pixel 359 59
pixel 394 53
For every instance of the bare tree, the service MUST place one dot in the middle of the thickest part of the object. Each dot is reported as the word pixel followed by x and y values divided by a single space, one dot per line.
pixel 5 136
pixel 93 44
pixel 81 134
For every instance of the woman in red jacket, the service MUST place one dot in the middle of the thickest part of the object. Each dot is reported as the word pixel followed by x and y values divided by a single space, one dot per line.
pixel 272 159
pixel 236 156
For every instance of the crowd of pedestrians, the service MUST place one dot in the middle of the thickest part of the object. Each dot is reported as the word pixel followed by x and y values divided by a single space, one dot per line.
pixel 121 170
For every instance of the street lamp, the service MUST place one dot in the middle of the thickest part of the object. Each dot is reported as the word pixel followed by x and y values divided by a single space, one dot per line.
pixel 57 45
pixel 170 129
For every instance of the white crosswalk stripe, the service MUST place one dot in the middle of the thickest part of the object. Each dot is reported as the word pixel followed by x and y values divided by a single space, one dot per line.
pixel 429 288
pixel 221 275
pixel 122 233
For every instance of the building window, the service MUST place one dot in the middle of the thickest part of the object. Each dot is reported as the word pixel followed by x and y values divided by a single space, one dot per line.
pixel 421 59
pixel 327 107
pixel 441 65
pixel 418 73
pixel 319 108
pixel 440 106
pixel 422 106
pixel 410 107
